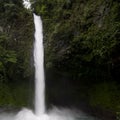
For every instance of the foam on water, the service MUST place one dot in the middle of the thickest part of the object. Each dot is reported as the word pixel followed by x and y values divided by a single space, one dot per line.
pixel 53 114
pixel 26 114
pixel 6 116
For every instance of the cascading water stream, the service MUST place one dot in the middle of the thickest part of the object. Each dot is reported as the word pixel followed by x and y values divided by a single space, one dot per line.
pixel 39 67
pixel 38 62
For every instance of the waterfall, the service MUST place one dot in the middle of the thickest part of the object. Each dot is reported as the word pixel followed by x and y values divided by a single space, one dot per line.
pixel 39 63
pixel 40 114
pixel 39 67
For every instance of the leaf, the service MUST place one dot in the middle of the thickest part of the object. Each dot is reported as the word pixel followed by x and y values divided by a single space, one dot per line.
pixel 13 60
pixel 11 57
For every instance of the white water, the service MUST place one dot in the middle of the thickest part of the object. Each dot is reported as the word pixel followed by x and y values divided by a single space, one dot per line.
pixel 54 114
pixel 27 4
pixel 39 67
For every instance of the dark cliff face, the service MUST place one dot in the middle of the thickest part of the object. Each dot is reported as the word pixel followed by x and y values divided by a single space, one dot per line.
pixel 79 31
pixel 80 36
pixel 80 39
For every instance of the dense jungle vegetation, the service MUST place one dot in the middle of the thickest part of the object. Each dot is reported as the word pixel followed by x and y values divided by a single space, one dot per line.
pixel 82 51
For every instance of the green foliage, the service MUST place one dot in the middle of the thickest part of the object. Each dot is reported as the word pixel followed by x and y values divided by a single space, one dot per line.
pixel 6 57
pixel 79 27
pixel 22 94
pixel 105 95
pixel 15 96
pixel 6 98
pixel 16 38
